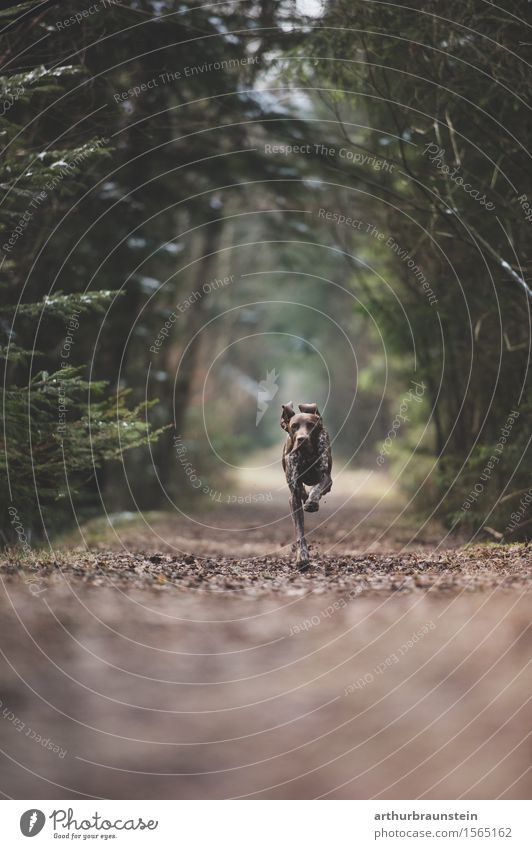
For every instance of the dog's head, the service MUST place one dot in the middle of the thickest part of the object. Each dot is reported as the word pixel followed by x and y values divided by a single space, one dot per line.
pixel 304 427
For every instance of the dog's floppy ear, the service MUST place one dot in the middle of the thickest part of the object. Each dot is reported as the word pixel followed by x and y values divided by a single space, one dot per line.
pixel 287 413
pixel 310 408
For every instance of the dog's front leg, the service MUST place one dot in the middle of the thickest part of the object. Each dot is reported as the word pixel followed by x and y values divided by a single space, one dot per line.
pixel 325 482
pixel 321 488
pixel 296 506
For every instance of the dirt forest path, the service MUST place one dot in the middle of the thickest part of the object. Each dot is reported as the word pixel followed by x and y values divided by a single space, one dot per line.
pixel 178 658
pixel 249 518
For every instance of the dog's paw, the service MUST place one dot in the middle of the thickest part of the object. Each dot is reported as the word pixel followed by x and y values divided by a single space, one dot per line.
pixel 302 559
pixel 312 506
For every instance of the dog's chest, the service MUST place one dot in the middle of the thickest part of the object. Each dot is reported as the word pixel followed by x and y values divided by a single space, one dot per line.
pixel 308 467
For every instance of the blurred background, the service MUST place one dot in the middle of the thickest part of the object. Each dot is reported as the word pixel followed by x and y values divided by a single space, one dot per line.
pixel 210 210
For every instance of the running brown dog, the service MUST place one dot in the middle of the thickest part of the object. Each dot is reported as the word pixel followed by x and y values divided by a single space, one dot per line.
pixel 307 461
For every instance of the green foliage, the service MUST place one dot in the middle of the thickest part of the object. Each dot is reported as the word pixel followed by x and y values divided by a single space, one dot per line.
pixel 57 431
pixel 492 482
pixel 106 193
pixel 135 162
pixel 61 306
pixel 58 428
pixel 441 99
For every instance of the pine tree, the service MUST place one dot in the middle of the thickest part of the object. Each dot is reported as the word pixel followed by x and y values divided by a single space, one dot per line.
pixel 58 427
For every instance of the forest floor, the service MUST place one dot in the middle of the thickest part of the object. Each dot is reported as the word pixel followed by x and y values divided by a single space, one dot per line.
pixel 174 656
